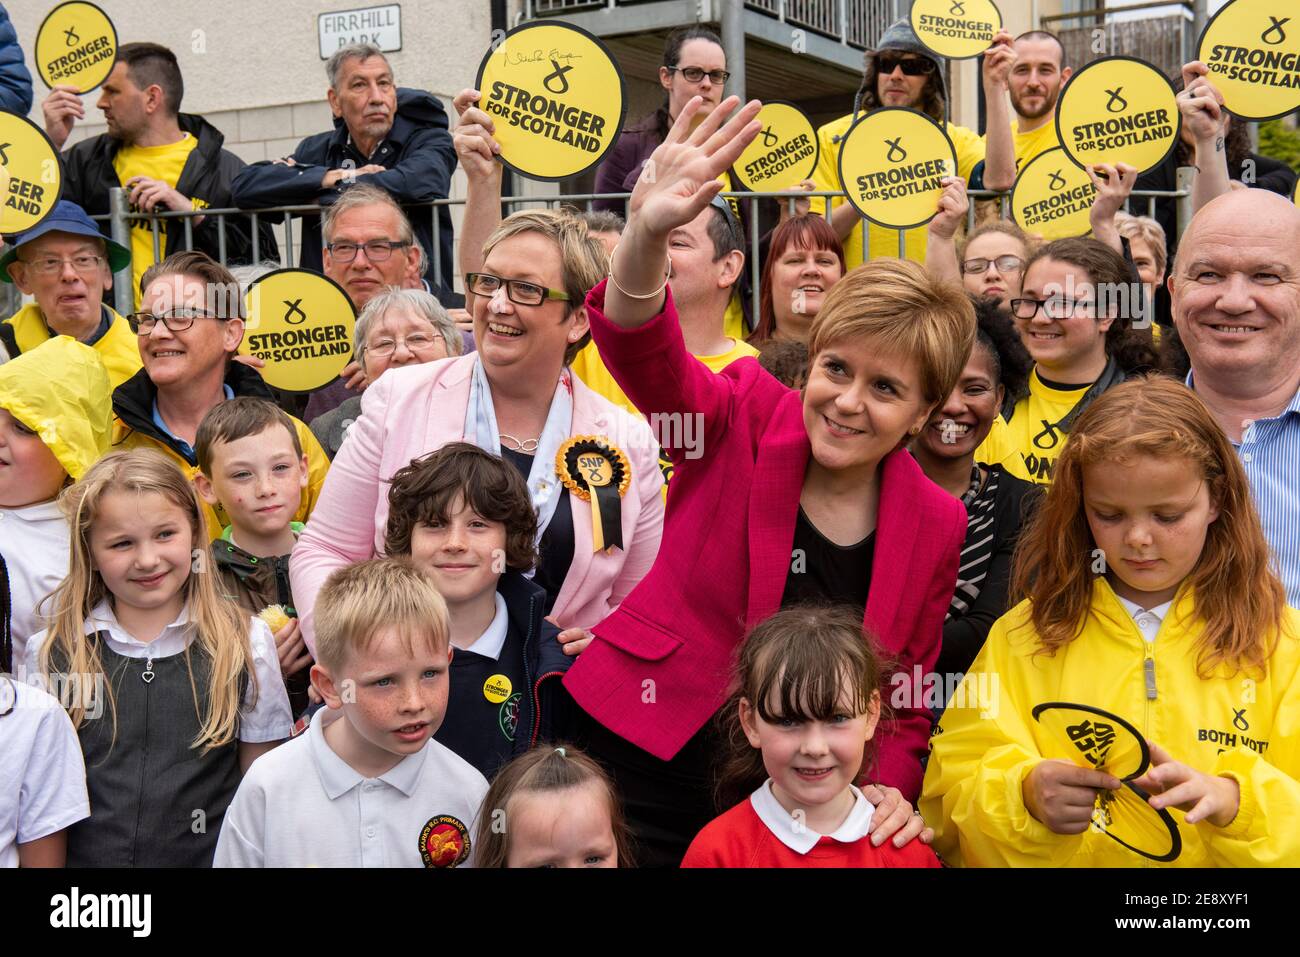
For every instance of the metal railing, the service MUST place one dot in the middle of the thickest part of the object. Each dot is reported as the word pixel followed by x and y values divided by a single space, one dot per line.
pixel 121 218
pixel 857 23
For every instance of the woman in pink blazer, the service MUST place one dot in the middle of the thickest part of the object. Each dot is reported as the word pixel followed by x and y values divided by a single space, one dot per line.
pixel 797 497
pixel 516 397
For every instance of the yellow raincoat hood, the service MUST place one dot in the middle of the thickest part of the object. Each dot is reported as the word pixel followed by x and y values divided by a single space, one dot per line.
pixel 60 391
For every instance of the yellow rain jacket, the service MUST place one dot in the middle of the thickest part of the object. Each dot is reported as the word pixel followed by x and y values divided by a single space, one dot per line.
pixel 1244 727
pixel 60 391
pixel 134 428
pixel 118 348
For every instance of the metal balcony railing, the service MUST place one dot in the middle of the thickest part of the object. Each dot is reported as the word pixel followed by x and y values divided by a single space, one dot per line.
pixel 855 22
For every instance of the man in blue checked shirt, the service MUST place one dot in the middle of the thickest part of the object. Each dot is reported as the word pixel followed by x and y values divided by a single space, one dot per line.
pixel 1235 288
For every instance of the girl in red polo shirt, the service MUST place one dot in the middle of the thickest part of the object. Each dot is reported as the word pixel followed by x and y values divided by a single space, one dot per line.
pixel 805 707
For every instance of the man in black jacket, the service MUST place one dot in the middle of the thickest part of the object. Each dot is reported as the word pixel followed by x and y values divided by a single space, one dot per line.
pixel 168 159
pixel 392 138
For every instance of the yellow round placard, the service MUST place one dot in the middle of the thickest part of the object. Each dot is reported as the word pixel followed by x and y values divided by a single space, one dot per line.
pixel 76 46
pixel 891 162
pixel 956 29
pixel 1253 53
pixel 1053 197
pixel 556 97
pixel 783 153
pixel 1118 110
pixel 32 174
pixel 301 324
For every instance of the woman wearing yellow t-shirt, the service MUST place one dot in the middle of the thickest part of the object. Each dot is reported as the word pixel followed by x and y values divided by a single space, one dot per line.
pixel 1074 314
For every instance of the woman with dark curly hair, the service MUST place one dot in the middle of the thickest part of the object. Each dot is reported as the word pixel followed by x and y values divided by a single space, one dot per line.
pixel 996 503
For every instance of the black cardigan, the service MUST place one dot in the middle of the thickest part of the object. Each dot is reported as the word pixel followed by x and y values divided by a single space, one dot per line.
pixel 963 637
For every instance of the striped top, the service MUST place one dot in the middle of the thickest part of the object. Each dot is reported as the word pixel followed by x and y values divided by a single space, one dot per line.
pixel 977 549
pixel 1270 454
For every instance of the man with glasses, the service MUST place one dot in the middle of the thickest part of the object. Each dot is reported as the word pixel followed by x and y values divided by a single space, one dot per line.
pixel 900 72
pixel 66 266
pixel 384 136
pixel 369 248
pixel 189 325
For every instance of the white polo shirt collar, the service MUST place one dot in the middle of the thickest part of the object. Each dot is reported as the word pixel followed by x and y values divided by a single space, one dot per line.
pixel 173 640
pixel 796 835
pixel 1148 620
pixel 337 776
pixel 490 643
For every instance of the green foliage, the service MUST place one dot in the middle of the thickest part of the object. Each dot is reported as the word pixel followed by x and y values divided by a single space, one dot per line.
pixel 1280 142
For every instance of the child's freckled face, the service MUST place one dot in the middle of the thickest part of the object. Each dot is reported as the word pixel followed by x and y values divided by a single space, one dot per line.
pixel 569 828
pixel 259 479
pixel 1150 517
pixel 29 472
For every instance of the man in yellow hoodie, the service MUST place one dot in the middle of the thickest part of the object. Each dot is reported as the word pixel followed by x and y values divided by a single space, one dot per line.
pixel 67 266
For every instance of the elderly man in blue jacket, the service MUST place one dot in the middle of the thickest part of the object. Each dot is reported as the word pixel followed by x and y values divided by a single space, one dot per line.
pixel 392 138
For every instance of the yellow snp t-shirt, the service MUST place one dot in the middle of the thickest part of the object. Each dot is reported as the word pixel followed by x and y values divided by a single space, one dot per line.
pixel 883 242
pixel 156 162
pixel 1030 443
pixel 1028 145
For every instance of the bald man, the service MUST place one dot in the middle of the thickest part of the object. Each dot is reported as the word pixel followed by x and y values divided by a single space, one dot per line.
pixel 1235 288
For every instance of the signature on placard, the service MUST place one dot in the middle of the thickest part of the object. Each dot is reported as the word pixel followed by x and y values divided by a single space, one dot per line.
pixel 537 56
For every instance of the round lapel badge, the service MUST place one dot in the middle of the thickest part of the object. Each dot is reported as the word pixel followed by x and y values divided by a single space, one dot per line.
pixel 497 688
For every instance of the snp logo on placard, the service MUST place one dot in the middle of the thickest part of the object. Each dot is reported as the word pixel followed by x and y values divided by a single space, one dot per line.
pixel 77 910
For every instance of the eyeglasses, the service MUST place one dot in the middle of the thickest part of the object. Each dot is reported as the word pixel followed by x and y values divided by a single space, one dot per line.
pixel 377 250
pixel 178 320
pixel 416 343
pixel 917 66
pixel 517 291
pixel 1005 264
pixel 1052 308
pixel 695 74
pixel 49 267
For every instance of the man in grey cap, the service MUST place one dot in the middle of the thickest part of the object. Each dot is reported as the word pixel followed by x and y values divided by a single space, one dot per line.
pixel 66 265
pixel 900 72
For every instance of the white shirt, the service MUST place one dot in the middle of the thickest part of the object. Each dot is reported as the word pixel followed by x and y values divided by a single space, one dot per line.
pixel 269 719
pixel 301 805
pixel 493 639
pixel 34 542
pixel 1148 620
pixel 42 775
pixel 795 834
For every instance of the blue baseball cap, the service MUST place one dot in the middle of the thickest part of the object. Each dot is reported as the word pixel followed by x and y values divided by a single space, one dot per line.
pixel 66 217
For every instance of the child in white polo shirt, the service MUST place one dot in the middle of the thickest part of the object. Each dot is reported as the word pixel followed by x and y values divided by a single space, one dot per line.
pixel 366 785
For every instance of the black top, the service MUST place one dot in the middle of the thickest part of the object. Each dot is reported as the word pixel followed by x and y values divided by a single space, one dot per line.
pixel 995 516
pixel 481 721
pixel 557 541
pixel 823 572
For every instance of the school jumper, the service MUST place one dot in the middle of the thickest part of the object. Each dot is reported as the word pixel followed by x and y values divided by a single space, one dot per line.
pixel 759 832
